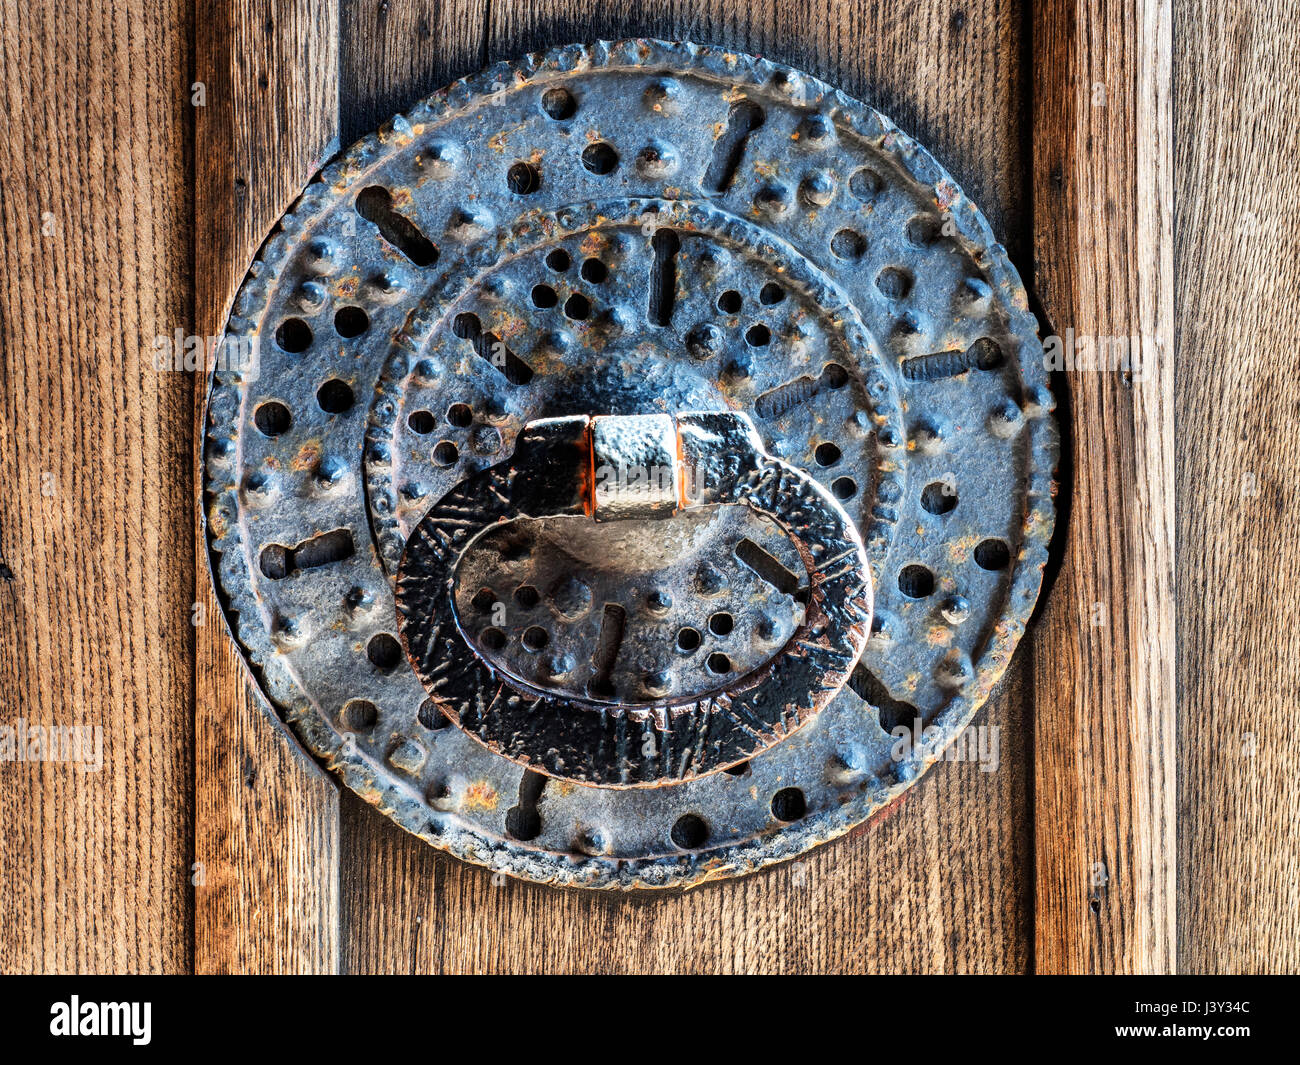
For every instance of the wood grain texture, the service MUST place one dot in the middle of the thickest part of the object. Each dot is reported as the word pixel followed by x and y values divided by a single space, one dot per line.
pixel 94 449
pixel 1237 259
pixel 1104 652
pixel 266 816
pixel 394 53
pixel 942 882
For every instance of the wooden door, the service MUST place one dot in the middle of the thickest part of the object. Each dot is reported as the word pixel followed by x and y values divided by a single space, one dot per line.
pixel 150 149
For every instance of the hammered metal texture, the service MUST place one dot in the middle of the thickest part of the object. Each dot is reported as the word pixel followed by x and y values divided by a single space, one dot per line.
pixel 630 228
pixel 597 734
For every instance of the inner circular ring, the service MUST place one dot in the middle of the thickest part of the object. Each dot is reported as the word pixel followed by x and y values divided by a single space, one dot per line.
pixel 467 342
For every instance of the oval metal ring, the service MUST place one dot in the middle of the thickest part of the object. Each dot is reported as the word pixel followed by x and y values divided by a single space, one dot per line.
pixel 571 466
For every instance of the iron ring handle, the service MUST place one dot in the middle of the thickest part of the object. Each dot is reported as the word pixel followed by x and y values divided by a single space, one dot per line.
pixel 562 466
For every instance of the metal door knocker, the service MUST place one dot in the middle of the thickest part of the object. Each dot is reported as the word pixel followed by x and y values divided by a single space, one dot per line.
pixel 615 452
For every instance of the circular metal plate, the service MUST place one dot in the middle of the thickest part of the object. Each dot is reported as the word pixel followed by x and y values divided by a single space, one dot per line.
pixel 626 228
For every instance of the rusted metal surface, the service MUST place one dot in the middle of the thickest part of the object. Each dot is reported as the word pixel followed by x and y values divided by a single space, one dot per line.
pixel 630 228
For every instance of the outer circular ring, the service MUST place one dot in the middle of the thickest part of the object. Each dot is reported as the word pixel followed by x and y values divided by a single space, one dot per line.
pixel 261 644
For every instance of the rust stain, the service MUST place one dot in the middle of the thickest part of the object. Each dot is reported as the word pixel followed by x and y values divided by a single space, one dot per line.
pixel 480 796
pixel 307 458
pixel 939 636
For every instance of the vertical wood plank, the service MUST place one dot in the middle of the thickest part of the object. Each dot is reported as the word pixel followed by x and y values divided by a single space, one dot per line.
pixel 266 818
pixel 96 574
pixel 1237 261
pixel 942 882
pixel 1104 653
